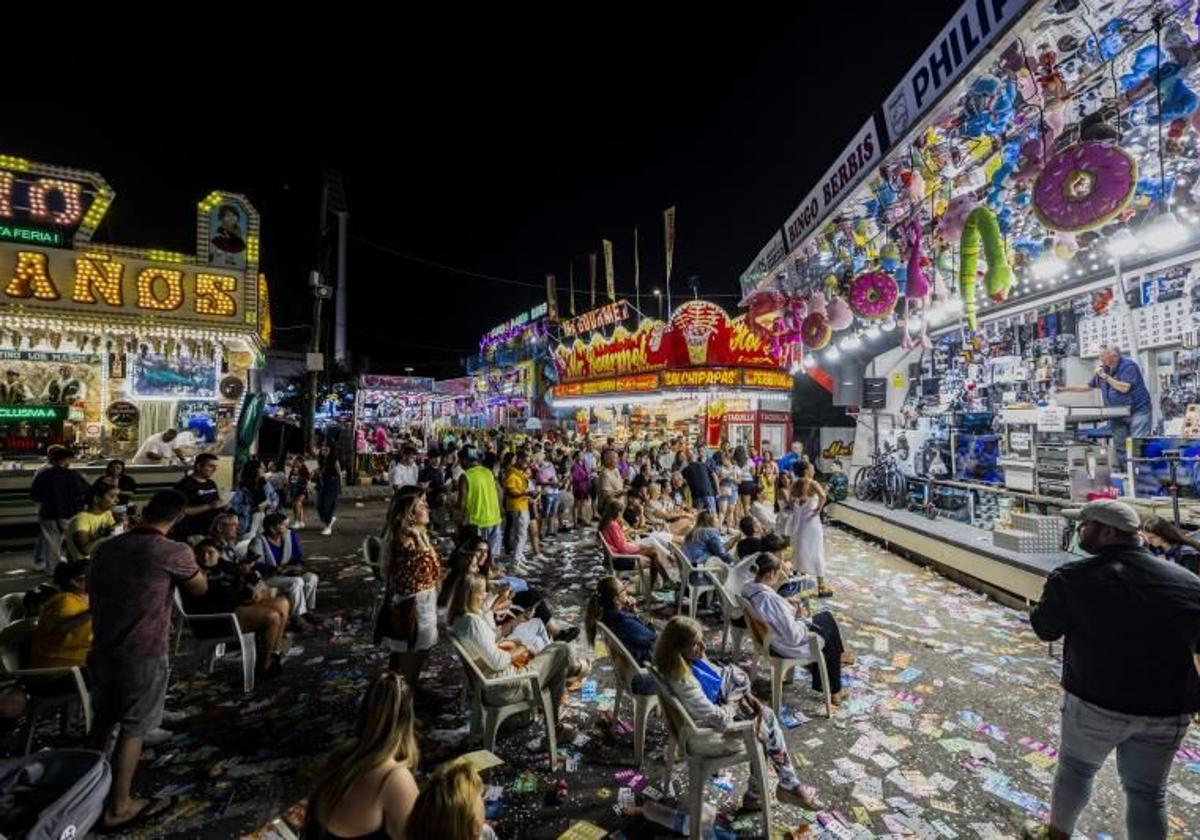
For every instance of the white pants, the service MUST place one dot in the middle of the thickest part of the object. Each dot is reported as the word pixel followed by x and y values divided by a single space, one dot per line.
pixel 660 541
pixel 300 590
pixel 533 634
pixel 49 548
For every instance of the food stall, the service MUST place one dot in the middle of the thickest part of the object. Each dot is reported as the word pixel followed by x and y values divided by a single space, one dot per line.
pixel 508 371
pixel 104 345
pixel 1026 194
pixel 700 373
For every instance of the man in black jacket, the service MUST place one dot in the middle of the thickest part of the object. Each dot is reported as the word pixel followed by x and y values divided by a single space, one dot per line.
pixel 60 493
pixel 1132 628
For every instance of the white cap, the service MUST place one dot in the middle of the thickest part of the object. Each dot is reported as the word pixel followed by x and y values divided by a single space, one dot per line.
pixel 1108 512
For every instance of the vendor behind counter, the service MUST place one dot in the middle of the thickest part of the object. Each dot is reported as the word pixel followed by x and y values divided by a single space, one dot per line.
pixel 1120 382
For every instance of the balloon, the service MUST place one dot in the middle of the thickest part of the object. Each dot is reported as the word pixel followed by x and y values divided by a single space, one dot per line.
pixel 982 224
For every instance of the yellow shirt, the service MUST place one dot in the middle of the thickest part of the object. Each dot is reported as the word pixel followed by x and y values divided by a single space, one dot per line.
pixel 768 489
pixel 53 648
pixel 516 482
pixel 92 524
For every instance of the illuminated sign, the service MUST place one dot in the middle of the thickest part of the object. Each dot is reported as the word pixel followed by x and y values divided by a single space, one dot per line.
pixel 513 327
pixel 642 383
pixel 33 412
pixel 605 316
pixel 31 235
pixel 104 284
pixel 767 379
pixel 701 378
pixel 36 196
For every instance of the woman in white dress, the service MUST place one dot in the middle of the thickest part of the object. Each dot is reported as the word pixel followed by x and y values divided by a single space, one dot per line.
pixel 807 497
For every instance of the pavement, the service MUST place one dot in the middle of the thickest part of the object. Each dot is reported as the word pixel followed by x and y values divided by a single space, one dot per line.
pixel 950 731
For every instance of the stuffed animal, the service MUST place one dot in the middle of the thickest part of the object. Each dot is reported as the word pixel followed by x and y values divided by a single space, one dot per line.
pixel 916 286
pixel 838 313
pixel 981 224
pixel 950 225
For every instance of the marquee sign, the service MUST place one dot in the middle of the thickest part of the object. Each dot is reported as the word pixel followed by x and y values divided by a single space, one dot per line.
pixel 605 316
pixel 700 335
pixel 698 379
pixel 49 265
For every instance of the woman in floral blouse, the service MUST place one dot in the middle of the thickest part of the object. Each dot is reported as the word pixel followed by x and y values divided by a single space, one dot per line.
pixel 408 621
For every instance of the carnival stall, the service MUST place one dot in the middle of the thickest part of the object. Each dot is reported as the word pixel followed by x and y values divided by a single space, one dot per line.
pixel 700 372
pixel 104 345
pixel 1024 198
pixel 508 371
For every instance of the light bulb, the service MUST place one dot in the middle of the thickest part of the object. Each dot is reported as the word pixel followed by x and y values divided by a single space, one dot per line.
pixel 888 325
pixel 852 342
pixel 810 361
pixel 1163 231
pixel 1122 243
pixel 873 331
pixel 913 323
pixel 794 368
pixel 832 354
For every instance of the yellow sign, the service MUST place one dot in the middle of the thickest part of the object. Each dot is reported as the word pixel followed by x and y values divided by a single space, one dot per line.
pixel 768 379
pixel 701 378
pixel 899 381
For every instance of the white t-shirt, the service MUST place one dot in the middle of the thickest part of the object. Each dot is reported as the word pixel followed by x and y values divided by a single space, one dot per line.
pixel 156 444
pixel 403 475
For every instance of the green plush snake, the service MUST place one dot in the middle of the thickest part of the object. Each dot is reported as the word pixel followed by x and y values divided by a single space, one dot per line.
pixel 981 224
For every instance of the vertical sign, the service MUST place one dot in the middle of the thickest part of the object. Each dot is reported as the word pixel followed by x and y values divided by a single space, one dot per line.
pixel 592 277
pixel 669 236
pixel 551 299
pixel 571 275
pixel 637 275
pixel 609 280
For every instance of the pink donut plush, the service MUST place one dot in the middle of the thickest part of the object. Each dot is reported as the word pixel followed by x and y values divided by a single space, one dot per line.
pixel 1085 186
pixel 815 332
pixel 873 295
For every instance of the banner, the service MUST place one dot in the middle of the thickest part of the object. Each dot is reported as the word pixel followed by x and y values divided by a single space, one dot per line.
pixel 637 272
pixel 609 281
pixel 551 298
pixel 605 316
pixel 592 277
pixel 669 237
pixel 571 275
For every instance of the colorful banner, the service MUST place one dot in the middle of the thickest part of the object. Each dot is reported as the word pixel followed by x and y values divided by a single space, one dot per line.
pixel 551 298
pixel 571 275
pixel 609 279
pixel 667 380
pixel 700 335
pixel 669 237
pixel 637 270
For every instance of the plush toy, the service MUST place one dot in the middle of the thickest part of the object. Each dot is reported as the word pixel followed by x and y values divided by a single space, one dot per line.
pixel 889 257
pixel 1178 101
pixel 815 331
pixel 816 303
pixel 838 313
pixel 1085 186
pixel 982 225
pixel 873 295
pixel 989 107
pixel 950 225
pixel 916 285
pixel 1145 60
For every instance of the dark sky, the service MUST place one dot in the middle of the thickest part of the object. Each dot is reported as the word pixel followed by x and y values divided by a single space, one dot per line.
pixel 507 145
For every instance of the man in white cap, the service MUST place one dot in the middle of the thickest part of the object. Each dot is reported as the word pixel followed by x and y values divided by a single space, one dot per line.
pixel 1132 628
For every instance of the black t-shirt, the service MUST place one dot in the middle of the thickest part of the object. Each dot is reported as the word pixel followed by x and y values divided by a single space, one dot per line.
pixel 198 491
pixel 433 476
pixel 639 481
pixel 747 546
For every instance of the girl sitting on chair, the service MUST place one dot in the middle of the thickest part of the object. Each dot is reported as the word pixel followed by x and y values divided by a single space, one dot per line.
pixel 715 696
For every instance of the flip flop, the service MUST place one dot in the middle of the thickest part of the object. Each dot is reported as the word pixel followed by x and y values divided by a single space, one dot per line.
pixel 142 816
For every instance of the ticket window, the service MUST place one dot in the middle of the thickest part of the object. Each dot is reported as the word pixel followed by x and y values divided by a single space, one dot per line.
pixel 773 436
pixel 741 434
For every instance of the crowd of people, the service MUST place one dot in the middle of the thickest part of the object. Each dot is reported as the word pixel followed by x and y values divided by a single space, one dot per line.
pixel 677 512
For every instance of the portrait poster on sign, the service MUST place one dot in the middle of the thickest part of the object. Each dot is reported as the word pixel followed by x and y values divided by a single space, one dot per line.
pixel 37 378
pixel 155 376
pixel 228 226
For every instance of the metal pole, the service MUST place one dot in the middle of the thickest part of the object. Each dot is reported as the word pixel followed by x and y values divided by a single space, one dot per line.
pixel 340 303
pixel 314 375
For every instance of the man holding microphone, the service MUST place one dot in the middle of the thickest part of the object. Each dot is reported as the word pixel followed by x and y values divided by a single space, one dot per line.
pixel 1120 382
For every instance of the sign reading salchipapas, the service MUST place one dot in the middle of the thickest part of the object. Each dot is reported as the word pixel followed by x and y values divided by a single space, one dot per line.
pixel 851 167
pixel 605 316
pixel 976 25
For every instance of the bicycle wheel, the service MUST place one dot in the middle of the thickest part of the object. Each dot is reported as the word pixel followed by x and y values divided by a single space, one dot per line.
pixel 864 484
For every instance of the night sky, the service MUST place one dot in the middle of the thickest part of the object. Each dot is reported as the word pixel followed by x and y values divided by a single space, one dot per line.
pixel 507 145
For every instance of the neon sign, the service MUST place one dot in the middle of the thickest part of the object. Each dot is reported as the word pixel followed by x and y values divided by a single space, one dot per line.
pixel 31 235
pixel 33 412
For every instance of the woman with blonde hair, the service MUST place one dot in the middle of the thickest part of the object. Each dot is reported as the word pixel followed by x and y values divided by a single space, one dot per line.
pixel 509 649
pixel 408 620
pixel 806 531
pixel 715 696
pixel 451 805
pixel 366 789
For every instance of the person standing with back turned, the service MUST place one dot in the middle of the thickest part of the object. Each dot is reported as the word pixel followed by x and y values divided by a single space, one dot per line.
pixel 480 500
pixel 1130 672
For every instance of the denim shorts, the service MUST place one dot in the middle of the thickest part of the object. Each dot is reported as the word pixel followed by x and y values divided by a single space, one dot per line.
pixel 129 690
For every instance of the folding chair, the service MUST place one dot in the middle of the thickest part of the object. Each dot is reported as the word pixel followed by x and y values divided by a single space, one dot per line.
pixel 15 642
pixel 781 666
pixel 217 630
pixel 694 581
pixel 611 558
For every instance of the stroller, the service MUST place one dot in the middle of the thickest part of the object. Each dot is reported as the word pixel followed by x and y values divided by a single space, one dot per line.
pixel 53 795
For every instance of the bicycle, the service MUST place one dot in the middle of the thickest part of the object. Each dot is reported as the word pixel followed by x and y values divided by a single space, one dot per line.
pixel 881 480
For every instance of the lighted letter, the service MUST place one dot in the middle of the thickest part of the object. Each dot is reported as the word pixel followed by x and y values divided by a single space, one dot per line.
pixel 31 279
pixel 148 297
pixel 98 275
pixel 6 185
pixel 213 294
pixel 39 207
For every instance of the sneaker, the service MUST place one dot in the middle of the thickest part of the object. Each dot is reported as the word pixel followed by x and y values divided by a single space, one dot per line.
pixel 298 526
pixel 169 717
pixel 539 558
pixel 1034 830
pixel 157 736
pixel 329 528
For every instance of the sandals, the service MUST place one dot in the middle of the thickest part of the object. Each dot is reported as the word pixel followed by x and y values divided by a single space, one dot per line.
pixel 579 668
pixel 825 593
pixel 163 803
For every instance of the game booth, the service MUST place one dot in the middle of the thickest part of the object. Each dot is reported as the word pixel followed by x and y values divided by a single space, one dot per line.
pixel 701 373
pixel 103 345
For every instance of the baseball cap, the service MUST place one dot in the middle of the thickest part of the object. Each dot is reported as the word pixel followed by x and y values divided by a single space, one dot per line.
pixel 1108 512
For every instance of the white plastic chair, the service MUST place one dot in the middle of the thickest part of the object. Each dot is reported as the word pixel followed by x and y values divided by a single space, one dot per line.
pixel 731 611
pixel 12 607
pixel 625 669
pixel 690 593
pixel 214 647
pixel 706 751
pixel 487 717
pixel 15 642
pixel 780 666
pixel 610 556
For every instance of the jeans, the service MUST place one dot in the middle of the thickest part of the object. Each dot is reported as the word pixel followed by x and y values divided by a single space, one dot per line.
pixel 327 501
pixel 551 502
pixel 491 534
pixel 1135 425
pixel 1145 748
pixel 518 533
pixel 709 502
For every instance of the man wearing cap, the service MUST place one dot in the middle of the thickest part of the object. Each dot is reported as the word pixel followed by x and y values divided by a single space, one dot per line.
pixel 1132 627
